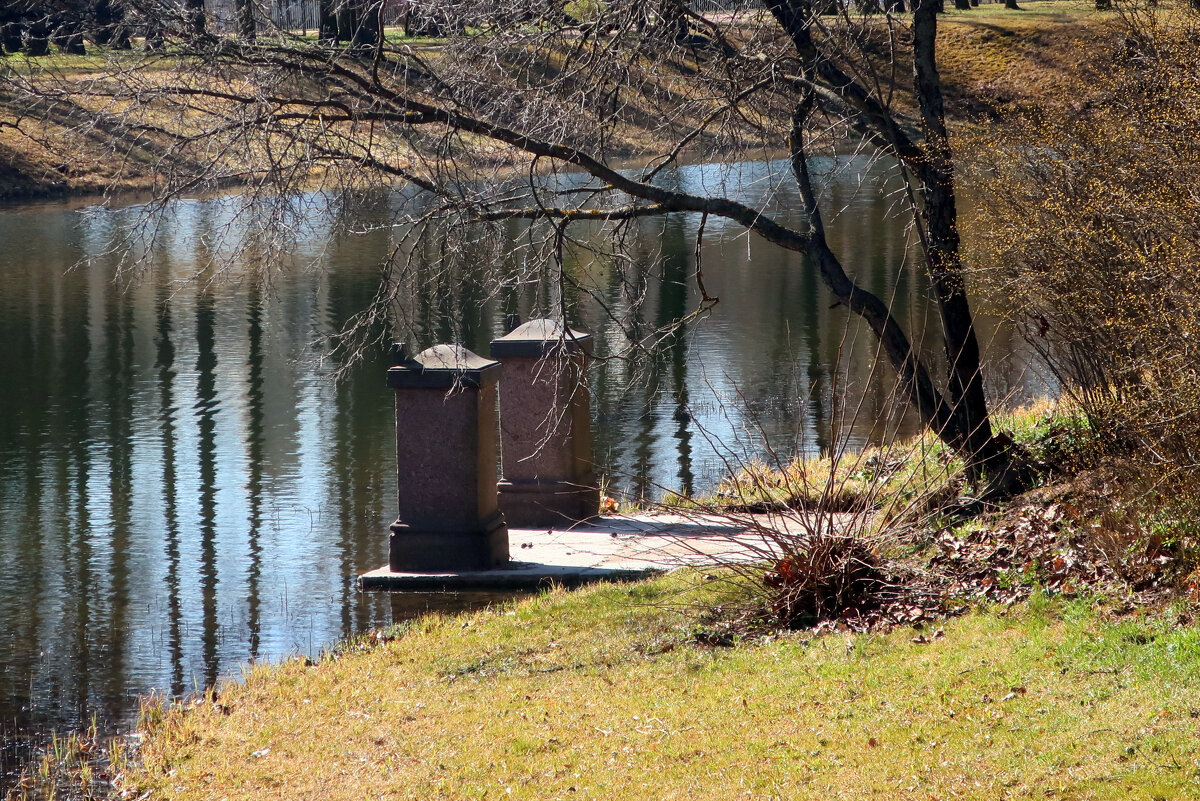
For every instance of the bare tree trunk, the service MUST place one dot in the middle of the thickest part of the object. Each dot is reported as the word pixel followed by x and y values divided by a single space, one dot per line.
pixel 368 31
pixel 11 23
pixel 673 20
pixel 327 25
pixel 37 35
pixel 68 36
pixel 154 38
pixel 347 23
pixel 195 15
pixel 952 421
pixel 915 381
pixel 246 26
pixel 108 27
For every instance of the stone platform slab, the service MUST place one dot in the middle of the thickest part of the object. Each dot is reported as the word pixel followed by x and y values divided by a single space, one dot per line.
pixel 610 548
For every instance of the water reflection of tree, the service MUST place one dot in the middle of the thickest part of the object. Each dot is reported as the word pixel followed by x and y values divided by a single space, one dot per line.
pixel 119 378
pixel 255 445
pixel 26 441
pixel 361 460
pixel 671 357
pixel 165 363
pixel 33 449
pixel 206 422
pixel 77 549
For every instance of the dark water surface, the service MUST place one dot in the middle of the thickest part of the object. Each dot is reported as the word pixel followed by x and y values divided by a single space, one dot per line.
pixel 185 489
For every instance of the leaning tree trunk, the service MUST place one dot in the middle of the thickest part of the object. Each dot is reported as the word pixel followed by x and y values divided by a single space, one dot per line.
pixel 988 456
pixel 960 415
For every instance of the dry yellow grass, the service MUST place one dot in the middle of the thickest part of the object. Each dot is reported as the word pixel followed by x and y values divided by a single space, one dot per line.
pixel 994 59
pixel 991 59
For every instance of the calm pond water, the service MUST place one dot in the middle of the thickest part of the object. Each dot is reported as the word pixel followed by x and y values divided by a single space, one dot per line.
pixel 185 489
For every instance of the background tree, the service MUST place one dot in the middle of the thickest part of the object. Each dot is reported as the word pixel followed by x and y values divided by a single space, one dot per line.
pixel 107 25
pixel 11 24
pixel 196 21
pixel 247 28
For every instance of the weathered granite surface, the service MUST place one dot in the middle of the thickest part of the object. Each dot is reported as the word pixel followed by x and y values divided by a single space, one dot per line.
pixel 545 429
pixel 446 453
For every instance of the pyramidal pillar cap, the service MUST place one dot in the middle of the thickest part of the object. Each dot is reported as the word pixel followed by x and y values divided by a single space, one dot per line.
pixel 440 367
pixel 541 337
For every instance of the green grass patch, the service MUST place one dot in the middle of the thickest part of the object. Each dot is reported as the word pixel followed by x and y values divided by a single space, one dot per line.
pixel 603 693
pixel 96 60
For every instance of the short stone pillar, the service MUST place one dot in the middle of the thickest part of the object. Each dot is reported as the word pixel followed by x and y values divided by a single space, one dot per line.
pixel 446 453
pixel 545 426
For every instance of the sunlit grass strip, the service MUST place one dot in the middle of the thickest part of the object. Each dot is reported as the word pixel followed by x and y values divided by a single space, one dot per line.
pixel 602 694
pixel 896 479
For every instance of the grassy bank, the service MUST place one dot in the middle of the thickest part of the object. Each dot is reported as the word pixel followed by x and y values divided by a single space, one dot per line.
pixel 606 693
pixel 993 61
pixel 1049 671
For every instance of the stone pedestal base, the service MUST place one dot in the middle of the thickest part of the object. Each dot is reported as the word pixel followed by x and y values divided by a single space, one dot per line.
pixel 537 504
pixel 413 550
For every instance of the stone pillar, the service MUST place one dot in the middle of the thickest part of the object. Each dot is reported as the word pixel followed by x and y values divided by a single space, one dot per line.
pixel 545 426
pixel 446 453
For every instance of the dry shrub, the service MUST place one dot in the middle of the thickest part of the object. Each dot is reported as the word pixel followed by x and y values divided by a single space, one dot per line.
pixel 1093 234
pixel 824 534
pixel 825 579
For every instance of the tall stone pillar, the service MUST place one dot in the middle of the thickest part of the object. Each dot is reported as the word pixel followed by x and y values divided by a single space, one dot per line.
pixel 446 453
pixel 545 426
